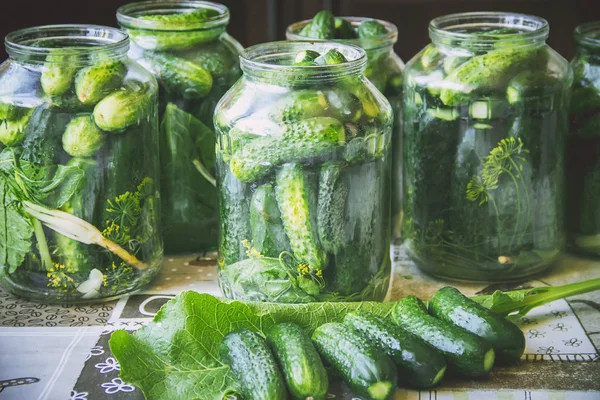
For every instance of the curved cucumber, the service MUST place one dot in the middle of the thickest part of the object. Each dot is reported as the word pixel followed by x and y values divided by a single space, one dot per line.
pixel 253 365
pixel 268 236
pixel 296 196
pixel 302 367
pixel 181 76
pixel 468 353
pixel 419 364
pixel 507 339
pixel 367 370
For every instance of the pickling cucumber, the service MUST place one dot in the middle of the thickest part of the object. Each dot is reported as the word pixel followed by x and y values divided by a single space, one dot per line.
pixel 467 353
pixel 268 236
pixel 303 370
pixel 419 365
pixel 251 361
pixel 296 196
pixel 179 75
pixel 331 207
pixel 367 370
pixel 507 339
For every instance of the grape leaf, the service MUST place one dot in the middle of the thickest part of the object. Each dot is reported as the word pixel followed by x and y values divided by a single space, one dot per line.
pixel 15 230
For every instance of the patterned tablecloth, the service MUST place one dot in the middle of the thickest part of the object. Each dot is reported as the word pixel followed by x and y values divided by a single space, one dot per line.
pixel 61 352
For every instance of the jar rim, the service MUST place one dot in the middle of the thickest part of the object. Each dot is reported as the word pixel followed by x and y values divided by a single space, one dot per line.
pixel 583 33
pixel 129 15
pixel 95 39
pixel 253 59
pixel 532 29
pixel 292 32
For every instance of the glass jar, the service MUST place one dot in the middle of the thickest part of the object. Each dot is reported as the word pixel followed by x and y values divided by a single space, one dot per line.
pixel 485 120
pixel 303 170
pixel 78 166
pixel 583 154
pixel 184 44
pixel 384 70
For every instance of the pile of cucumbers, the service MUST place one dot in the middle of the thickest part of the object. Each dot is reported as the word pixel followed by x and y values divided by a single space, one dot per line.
pixel 374 355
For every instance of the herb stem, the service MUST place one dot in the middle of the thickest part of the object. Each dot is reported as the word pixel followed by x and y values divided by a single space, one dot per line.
pixel 42 243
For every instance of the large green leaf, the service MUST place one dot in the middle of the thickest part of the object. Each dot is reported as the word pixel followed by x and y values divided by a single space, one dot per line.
pixel 16 230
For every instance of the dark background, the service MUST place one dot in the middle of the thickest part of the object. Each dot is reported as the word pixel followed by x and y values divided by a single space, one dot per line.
pixel 255 21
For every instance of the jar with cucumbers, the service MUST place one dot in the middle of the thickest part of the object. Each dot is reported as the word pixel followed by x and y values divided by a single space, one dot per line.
pixel 384 70
pixel 583 149
pixel 303 163
pixel 79 174
pixel 185 45
pixel 485 122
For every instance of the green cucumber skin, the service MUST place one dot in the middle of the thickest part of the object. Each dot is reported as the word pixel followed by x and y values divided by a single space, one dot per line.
pixel 331 207
pixel 302 367
pixel 463 350
pixel 507 339
pixel 268 235
pixel 359 363
pixel 418 363
pixel 251 361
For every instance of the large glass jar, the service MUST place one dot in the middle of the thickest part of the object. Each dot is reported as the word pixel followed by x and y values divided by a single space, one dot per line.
pixel 583 148
pixel 78 167
pixel 384 70
pixel 303 170
pixel 184 44
pixel 485 120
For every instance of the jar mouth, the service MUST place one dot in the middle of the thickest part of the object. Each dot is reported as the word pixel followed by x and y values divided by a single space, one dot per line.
pixel 588 34
pixel 132 15
pixel 389 39
pixel 276 58
pixel 86 41
pixel 481 29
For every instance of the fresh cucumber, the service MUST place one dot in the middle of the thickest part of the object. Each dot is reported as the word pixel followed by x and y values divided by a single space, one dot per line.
pixel 467 353
pixel 419 365
pixel 268 235
pixel 507 339
pixel 296 196
pixel 331 207
pixel 251 361
pixel 302 367
pixel 367 370
pixel 179 75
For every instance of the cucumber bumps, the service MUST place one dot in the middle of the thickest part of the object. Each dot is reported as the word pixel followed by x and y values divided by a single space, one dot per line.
pixel 253 365
pixel 302 368
pixel 366 369
pixel 507 339
pixel 467 353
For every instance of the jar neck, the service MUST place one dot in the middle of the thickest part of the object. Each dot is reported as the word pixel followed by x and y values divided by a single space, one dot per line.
pixel 273 63
pixel 72 44
pixel 482 31
pixel 378 44
pixel 193 16
pixel 587 39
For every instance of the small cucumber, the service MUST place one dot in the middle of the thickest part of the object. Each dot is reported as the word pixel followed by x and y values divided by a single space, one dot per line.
pixel 367 370
pixel 302 368
pixel 252 363
pixel 296 196
pixel 507 339
pixel 181 76
pixel 467 353
pixel 331 207
pixel 268 236
pixel 419 364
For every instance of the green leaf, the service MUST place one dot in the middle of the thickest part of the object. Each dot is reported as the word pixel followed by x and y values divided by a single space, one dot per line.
pixel 16 230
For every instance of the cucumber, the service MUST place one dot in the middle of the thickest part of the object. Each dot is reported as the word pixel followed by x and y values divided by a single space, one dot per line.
pixel 268 236
pixel 303 370
pixel 252 363
pixel 344 29
pixel 367 370
pixel 419 365
pixel 531 85
pixel 322 26
pixel 467 353
pixel 180 76
pixel 331 207
pixel 296 196
pixel 507 339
